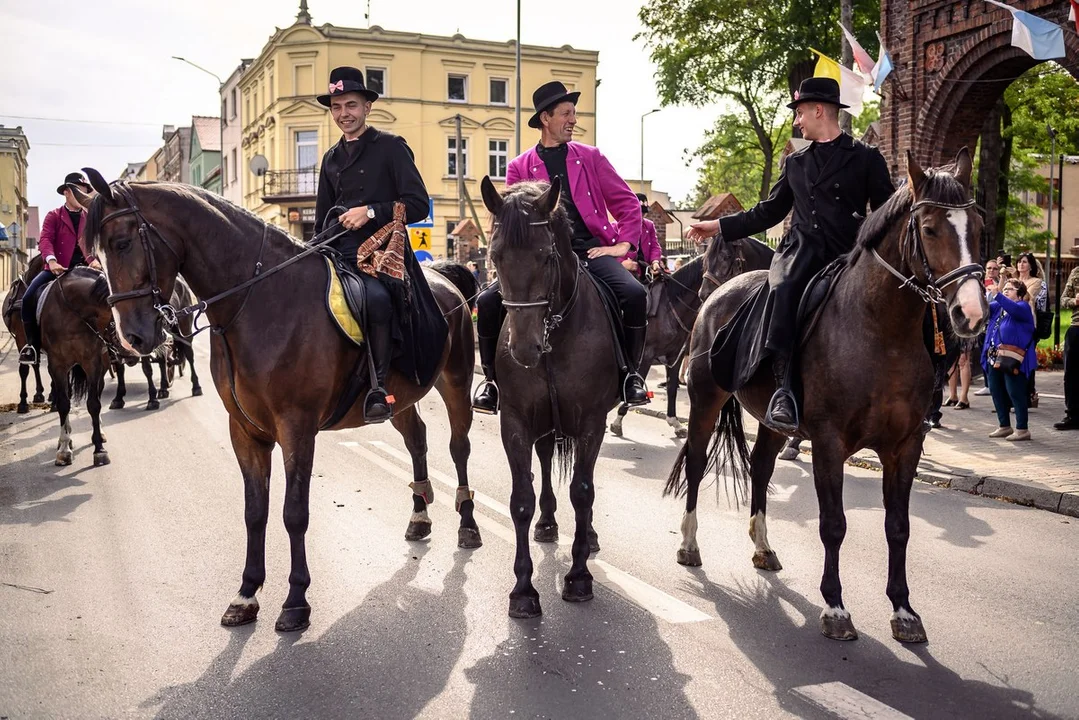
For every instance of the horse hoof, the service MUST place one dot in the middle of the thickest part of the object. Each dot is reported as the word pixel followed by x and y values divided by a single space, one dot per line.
pixel 468 538
pixel 766 561
pixel 237 615
pixel 116 405
pixel 578 589
pixel 63 458
pixel 616 430
pixel 681 433
pixel 593 542
pixel 162 394
pixel 153 405
pixel 22 409
pixel 838 627
pixel 293 619
pixel 908 629
pixel 39 398
pixel 525 606
pixel 101 458
pixel 689 558
pixel 546 533
pixel 418 530
pixel 196 391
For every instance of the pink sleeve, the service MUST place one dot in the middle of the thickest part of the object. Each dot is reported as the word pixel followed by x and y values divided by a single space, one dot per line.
pixel 513 173
pixel 45 243
pixel 650 242
pixel 621 202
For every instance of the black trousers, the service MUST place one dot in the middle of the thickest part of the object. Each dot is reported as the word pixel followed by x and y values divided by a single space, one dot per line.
pixel 1071 372
pixel 794 265
pixel 632 297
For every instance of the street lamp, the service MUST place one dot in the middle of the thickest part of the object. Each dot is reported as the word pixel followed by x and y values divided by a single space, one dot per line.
pixel 220 121
pixel 1049 221
pixel 654 110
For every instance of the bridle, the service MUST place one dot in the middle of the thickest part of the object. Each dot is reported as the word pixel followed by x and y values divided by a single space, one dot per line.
pixel 930 290
pixel 739 266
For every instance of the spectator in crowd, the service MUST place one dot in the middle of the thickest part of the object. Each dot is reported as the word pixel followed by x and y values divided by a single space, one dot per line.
pixel 1008 358
pixel 992 279
pixel 1071 356
pixel 1030 272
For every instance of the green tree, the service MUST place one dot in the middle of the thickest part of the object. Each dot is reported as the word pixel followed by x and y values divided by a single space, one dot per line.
pixel 731 160
pixel 1045 95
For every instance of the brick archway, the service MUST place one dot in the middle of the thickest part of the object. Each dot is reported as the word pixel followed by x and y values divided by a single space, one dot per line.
pixel 954 60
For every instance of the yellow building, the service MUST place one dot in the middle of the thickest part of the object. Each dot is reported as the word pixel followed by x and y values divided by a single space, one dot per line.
pixel 14 206
pixel 425 82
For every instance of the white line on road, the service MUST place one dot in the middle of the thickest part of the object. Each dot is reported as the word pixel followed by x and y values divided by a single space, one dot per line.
pixel 845 702
pixel 648 597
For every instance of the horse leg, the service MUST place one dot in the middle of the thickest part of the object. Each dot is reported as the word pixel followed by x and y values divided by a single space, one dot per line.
pixel 582 494
pixel 298 448
pixel 704 408
pixel 414 432
pixel 163 366
pixel 148 371
pixel 762 463
pixel 95 386
pixel 899 470
pixel 187 351
pixel 616 426
pixel 24 373
pixel 455 394
pixel 254 458
pixel 828 459
pixel 39 394
pixel 672 402
pixel 547 526
pixel 121 388
pixel 524 599
pixel 62 401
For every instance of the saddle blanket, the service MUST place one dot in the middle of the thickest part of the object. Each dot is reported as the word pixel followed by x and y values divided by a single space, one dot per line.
pixel 338 305
pixel 41 296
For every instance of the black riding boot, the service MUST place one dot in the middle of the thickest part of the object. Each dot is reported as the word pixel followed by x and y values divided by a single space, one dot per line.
pixel 782 415
pixel 378 406
pixel 634 391
pixel 486 398
pixel 29 353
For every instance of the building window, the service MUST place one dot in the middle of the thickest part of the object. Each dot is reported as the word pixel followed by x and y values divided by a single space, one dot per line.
pixel 451 156
pixel 233 164
pixel 270 94
pixel 232 104
pixel 196 176
pixel 224 173
pixel 376 80
pixel 224 110
pixel 457 88
pixel 498 158
pixel 303 80
pixel 306 160
pixel 499 91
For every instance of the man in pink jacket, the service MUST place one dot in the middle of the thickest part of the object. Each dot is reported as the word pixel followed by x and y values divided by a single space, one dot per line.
pixel 592 190
pixel 61 244
pixel 650 254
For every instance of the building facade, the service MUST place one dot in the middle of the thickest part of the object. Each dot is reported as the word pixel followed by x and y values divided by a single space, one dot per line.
pixel 426 83
pixel 15 245
pixel 204 155
pixel 175 162
pixel 233 176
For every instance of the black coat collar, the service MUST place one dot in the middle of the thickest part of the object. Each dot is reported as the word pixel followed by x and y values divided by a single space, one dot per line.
pixel 370 136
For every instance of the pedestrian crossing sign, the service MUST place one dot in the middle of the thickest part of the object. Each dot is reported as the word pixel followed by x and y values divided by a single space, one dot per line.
pixel 420 238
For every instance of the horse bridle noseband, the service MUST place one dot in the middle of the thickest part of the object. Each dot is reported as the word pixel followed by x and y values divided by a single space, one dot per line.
pixel 931 292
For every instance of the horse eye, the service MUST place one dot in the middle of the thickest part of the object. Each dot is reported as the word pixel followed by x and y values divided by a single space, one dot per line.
pixel 928 230
pixel 123 245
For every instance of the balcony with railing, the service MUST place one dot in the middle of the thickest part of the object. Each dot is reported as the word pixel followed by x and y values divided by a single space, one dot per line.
pixel 289 185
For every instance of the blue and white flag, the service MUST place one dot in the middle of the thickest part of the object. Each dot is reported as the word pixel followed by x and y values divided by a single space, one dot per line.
pixel 883 67
pixel 1041 39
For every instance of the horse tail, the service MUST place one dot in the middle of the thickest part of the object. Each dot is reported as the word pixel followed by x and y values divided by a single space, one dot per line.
pixel 78 384
pixel 676 481
pixel 565 455
pixel 728 452
pixel 462 279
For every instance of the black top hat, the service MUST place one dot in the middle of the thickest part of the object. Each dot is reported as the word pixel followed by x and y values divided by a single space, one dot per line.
pixel 547 97
pixel 74 178
pixel 817 89
pixel 643 198
pixel 345 80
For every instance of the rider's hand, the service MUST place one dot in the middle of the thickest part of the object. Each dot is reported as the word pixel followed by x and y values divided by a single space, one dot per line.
pixel 657 268
pixel 699 232
pixel 355 218
pixel 95 264
pixel 56 268
pixel 630 265
pixel 617 250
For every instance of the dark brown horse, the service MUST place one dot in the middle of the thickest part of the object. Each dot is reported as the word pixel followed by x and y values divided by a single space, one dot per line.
pixel 278 361
pixel 867 379
pixel 77 332
pixel 557 370
pixel 13 322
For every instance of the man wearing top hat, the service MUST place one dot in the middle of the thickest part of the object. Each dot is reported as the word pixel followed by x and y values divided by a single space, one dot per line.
pixel 368 171
pixel 828 184
pixel 61 244
pixel 591 189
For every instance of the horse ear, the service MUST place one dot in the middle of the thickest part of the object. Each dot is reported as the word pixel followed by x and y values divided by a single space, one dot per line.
pixel 964 166
pixel 98 183
pixel 80 197
pixel 914 173
pixel 548 201
pixel 491 198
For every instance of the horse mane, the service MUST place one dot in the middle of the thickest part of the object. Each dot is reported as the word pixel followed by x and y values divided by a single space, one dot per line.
pixel 691 273
pixel 99 291
pixel 515 216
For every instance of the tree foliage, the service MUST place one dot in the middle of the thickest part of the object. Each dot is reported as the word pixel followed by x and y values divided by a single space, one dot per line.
pixel 1047 94
pixel 731 160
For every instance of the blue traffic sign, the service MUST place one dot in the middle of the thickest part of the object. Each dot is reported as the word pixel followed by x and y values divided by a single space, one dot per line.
pixel 424 256
pixel 428 221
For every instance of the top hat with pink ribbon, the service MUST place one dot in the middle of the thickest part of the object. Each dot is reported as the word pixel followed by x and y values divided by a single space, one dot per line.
pixel 345 80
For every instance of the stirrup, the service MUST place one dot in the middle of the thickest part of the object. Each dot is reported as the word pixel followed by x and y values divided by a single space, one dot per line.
pixel 782 427
pixel 625 390
pixel 375 419
pixel 479 391
pixel 30 353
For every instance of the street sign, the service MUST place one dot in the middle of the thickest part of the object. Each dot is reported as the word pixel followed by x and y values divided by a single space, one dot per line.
pixel 428 221
pixel 420 238
pixel 424 256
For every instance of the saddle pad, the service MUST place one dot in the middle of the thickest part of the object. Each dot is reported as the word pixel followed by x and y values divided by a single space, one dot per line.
pixel 816 296
pixel 614 317
pixel 41 300
pixel 337 305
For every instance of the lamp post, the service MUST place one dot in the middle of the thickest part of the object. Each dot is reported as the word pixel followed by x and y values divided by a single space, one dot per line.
pixel 220 121
pixel 1049 222
pixel 654 110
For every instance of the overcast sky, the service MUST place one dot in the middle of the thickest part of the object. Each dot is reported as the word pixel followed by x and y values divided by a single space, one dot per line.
pixel 102 73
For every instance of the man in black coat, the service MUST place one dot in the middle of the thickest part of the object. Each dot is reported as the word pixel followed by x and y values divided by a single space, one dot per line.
pixel 368 171
pixel 828 184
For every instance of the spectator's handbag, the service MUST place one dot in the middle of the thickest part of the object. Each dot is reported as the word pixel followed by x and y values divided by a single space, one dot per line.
pixel 1044 328
pixel 1009 359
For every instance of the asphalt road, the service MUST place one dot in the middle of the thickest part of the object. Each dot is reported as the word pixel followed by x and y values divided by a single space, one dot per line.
pixel 113 581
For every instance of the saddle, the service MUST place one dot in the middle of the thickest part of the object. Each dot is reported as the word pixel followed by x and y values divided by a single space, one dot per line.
pixel 41 297
pixel 344 300
pixel 655 298
pixel 614 317
pixel 816 295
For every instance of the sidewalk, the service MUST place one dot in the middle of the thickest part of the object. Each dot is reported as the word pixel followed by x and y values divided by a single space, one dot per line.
pixel 1042 473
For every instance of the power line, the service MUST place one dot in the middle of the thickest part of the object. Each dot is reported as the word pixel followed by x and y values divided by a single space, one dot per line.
pixel 87 122
pixel 94 145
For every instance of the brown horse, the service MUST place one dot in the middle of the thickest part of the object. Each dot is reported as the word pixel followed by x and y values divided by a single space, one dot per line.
pixel 77 332
pixel 279 362
pixel 557 370
pixel 866 375
pixel 13 322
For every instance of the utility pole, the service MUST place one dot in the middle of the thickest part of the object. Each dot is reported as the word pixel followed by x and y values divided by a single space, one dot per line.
pixel 1059 268
pixel 654 110
pixel 517 83
pixel 220 120
pixel 846 16
pixel 460 171
pixel 1049 219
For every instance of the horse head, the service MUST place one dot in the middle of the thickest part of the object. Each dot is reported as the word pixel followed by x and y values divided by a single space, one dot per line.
pixel 723 260
pixel 140 265
pixel 530 250
pixel 942 241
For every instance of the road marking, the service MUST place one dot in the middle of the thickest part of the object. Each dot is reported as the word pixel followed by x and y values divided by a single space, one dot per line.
pixel 845 702
pixel 637 591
